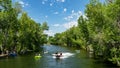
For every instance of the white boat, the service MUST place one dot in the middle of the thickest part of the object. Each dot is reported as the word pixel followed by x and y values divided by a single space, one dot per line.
pixel 64 55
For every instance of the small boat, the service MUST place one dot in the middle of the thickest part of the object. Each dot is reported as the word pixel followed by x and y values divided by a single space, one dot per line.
pixel 13 54
pixel 3 55
pixel 37 56
pixel 57 56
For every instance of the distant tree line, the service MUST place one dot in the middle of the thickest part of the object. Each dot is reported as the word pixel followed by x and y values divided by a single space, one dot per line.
pixel 99 32
pixel 17 30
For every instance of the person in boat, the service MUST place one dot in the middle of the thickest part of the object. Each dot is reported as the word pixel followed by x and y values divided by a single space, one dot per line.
pixel 37 54
pixel 13 53
pixel 61 54
pixel 58 54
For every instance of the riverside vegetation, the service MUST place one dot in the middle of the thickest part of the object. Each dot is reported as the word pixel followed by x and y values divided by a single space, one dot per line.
pixel 19 32
pixel 98 32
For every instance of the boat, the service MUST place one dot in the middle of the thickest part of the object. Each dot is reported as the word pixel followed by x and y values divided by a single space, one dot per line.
pixel 37 56
pixel 57 56
pixel 63 56
pixel 3 55
pixel 13 54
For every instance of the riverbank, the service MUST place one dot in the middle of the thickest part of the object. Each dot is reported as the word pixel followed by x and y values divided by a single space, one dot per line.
pixel 3 55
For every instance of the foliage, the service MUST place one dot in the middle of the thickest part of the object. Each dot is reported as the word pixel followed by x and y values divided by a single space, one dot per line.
pixel 17 32
pixel 100 32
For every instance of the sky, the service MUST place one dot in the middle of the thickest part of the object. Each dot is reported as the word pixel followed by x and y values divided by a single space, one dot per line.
pixel 60 15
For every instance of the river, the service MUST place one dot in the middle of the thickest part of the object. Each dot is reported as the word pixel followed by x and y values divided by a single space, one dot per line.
pixel 73 59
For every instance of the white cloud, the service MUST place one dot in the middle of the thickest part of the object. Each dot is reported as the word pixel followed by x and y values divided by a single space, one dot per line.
pixel 68 18
pixel 56 13
pixel 72 11
pixel 49 32
pixel 74 15
pixel 23 4
pixel 70 24
pixel 60 0
pixel 43 2
pixel 46 16
pixel 64 10
pixel 51 4
pixel 72 19
pixel 56 25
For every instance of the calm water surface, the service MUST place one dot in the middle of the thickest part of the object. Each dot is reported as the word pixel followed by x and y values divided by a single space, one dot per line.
pixel 77 60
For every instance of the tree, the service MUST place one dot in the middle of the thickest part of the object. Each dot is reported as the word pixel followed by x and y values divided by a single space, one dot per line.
pixel 45 26
pixel 17 32
pixel 101 30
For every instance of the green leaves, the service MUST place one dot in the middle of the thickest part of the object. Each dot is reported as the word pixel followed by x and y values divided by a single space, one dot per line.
pixel 103 28
pixel 45 26
pixel 101 31
pixel 31 32
pixel 19 32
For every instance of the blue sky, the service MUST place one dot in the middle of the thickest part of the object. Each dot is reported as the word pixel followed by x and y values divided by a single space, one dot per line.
pixel 59 14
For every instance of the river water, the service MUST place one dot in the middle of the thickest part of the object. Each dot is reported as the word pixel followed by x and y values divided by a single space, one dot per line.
pixel 71 59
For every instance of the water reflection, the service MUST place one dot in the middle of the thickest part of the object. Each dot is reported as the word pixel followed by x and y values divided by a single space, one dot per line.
pixel 71 60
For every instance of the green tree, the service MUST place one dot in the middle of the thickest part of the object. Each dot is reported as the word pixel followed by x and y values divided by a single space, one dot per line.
pixel 19 32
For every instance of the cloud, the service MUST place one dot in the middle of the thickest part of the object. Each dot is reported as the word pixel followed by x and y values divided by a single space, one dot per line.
pixel 60 0
pixel 62 27
pixel 66 25
pixel 23 4
pixel 72 11
pixel 56 13
pixel 68 18
pixel 70 24
pixel 46 16
pixel 43 2
pixel 73 15
pixel 63 0
pixel 56 25
pixel 64 10
pixel 72 19
pixel 49 32
pixel 51 4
